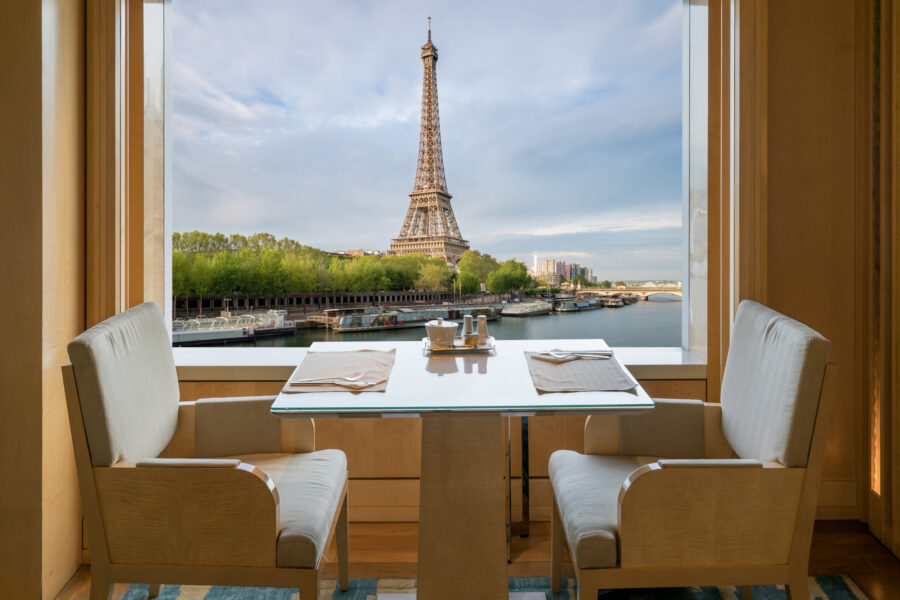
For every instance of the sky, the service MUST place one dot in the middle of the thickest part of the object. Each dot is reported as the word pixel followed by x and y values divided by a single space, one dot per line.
pixel 560 124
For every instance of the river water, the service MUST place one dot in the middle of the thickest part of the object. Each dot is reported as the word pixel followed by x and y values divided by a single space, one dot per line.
pixel 653 323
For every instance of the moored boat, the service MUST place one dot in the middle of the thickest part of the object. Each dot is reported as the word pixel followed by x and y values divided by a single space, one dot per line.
pixel 404 317
pixel 230 328
pixel 569 306
pixel 527 309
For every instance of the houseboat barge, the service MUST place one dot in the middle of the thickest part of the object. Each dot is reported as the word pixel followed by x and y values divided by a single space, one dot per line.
pixel 375 318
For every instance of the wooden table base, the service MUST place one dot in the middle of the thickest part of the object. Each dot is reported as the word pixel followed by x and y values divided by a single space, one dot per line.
pixel 462 512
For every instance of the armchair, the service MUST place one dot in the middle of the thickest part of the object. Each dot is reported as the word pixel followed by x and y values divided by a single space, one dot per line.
pixel 694 493
pixel 216 491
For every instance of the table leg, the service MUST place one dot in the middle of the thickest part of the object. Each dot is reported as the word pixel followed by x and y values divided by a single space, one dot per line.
pixel 523 528
pixel 462 517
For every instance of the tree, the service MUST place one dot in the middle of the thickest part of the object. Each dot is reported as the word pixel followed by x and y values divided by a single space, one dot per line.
pixel 206 264
pixel 336 276
pixel 478 264
pixel 201 278
pixel 511 276
pixel 606 284
pixel 366 273
pixel 403 271
pixel 434 274
pixel 181 272
pixel 262 241
pixel 272 280
pixel 621 284
pixel 226 277
pixel 468 282
pixel 580 280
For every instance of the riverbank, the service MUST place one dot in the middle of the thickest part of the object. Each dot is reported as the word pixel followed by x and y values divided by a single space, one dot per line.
pixel 649 323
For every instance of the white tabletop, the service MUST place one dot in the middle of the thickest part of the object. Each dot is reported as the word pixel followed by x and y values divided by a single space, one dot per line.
pixel 498 382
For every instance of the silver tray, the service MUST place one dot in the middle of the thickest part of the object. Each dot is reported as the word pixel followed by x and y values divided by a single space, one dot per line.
pixel 459 347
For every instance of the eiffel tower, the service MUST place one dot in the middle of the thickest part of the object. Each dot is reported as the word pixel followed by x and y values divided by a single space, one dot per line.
pixel 429 226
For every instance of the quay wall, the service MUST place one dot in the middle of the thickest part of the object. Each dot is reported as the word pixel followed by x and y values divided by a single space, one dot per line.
pixel 298 305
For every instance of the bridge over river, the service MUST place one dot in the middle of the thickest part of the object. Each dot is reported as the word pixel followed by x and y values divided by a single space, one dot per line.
pixel 643 292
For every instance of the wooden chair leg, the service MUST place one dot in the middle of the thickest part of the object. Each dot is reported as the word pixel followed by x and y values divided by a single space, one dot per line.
pixel 746 592
pixel 154 590
pixel 588 587
pixel 100 588
pixel 556 547
pixel 342 533
pixel 798 588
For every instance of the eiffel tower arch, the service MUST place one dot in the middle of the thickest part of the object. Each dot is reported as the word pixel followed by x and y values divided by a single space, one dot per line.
pixel 430 226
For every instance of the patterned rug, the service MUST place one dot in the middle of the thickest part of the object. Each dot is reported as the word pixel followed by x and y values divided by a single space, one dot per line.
pixel 832 587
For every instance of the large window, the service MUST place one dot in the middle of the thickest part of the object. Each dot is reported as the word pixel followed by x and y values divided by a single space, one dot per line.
pixel 305 146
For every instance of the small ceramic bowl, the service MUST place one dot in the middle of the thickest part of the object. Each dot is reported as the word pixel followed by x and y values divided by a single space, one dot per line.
pixel 441 332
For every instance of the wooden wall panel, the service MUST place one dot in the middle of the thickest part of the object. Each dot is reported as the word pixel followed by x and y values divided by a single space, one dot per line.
pixel 375 448
pixel 41 240
pixel 63 138
pixel 691 389
pixel 812 195
pixel 21 302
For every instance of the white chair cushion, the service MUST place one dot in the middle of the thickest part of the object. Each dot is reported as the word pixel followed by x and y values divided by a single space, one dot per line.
pixel 309 489
pixel 127 385
pixel 587 494
pixel 770 389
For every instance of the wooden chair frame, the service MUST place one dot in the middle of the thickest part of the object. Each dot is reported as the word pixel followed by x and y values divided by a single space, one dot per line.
pixel 257 536
pixel 741 564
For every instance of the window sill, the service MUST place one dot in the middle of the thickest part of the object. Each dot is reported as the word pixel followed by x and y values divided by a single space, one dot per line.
pixel 276 364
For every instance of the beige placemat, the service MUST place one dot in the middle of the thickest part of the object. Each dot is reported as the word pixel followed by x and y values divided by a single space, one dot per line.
pixel 376 364
pixel 578 375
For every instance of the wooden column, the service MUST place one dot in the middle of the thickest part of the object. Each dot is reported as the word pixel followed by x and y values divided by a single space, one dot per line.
pixel 462 514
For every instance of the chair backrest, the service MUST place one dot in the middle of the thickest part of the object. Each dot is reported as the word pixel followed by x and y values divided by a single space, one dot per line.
pixel 127 386
pixel 771 386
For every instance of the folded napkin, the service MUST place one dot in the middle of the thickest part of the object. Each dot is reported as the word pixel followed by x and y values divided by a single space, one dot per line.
pixel 572 375
pixel 376 364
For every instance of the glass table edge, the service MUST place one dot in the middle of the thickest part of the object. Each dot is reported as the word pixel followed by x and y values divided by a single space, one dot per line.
pixel 530 411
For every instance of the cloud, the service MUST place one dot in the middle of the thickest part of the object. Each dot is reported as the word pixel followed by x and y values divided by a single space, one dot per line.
pixel 560 122
pixel 616 223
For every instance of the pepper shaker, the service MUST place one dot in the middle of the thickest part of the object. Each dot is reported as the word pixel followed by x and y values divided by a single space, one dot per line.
pixel 470 338
pixel 482 330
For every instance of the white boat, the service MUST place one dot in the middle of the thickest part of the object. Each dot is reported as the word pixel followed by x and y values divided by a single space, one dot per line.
pixel 229 328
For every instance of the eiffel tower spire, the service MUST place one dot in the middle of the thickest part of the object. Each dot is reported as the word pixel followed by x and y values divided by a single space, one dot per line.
pixel 430 226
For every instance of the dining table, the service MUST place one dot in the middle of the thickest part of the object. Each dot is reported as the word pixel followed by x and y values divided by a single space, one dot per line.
pixel 462 399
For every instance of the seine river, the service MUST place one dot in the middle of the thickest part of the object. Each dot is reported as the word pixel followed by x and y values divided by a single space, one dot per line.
pixel 654 323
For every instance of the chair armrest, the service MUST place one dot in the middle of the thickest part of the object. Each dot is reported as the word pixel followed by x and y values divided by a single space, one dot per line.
pixel 245 425
pixel 182 442
pixel 674 428
pixel 706 463
pixel 210 463
pixel 694 513
pixel 176 512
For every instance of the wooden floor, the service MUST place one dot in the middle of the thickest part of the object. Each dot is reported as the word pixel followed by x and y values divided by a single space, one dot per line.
pixel 389 550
